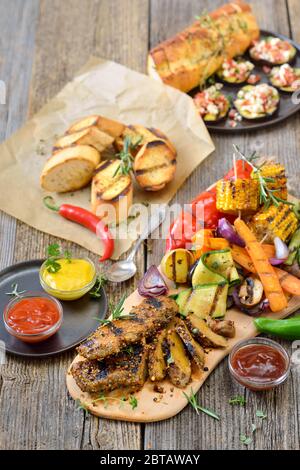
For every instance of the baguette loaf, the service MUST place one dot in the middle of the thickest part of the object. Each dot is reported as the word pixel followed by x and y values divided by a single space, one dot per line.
pixel 189 58
pixel 112 192
pixel 70 168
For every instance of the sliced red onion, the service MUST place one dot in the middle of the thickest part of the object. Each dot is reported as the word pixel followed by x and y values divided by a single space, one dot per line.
pixel 253 311
pixel 152 283
pixel 281 249
pixel 276 261
pixel 226 230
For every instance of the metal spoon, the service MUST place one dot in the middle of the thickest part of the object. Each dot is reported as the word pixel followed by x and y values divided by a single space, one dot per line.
pixel 125 269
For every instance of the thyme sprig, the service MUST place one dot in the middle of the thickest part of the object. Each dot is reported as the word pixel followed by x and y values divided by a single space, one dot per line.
pixel 267 196
pixel 192 400
pixel 133 402
pixel 126 157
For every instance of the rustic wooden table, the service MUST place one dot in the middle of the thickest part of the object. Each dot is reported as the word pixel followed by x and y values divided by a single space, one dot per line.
pixel 43 43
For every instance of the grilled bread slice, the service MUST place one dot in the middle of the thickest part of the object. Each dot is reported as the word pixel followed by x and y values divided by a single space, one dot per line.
pixel 139 135
pixel 109 126
pixel 69 169
pixel 112 192
pixel 92 136
pixel 154 165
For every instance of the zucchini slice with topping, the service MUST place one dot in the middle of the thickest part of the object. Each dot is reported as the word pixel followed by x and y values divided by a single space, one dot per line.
pixel 286 78
pixel 211 104
pixel 235 71
pixel 272 51
pixel 257 101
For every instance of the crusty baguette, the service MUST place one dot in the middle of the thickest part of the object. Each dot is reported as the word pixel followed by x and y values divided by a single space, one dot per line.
pixel 70 169
pixel 190 57
pixel 89 136
pixel 154 165
pixel 140 134
pixel 112 192
pixel 109 126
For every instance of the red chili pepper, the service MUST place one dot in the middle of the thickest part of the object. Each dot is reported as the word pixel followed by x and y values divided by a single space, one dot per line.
pixel 87 219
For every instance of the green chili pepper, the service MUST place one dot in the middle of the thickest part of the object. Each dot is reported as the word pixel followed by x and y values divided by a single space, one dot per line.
pixel 288 329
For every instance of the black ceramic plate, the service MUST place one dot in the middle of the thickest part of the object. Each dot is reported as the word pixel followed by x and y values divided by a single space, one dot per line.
pixel 286 107
pixel 79 320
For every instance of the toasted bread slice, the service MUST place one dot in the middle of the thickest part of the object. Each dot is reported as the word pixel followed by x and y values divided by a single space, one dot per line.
pixel 69 169
pixel 154 165
pixel 141 135
pixel 89 136
pixel 111 192
pixel 110 127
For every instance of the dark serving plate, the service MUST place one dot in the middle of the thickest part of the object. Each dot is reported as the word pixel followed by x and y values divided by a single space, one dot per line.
pixel 286 107
pixel 80 317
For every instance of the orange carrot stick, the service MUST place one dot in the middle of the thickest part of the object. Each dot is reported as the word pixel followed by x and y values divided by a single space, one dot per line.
pixel 265 270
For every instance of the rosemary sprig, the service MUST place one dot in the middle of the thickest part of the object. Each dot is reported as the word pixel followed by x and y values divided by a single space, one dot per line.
pixel 54 251
pixel 192 400
pixel 133 402
pixel 96 290
pixel 116 312
pixel 15 292
pixel 267 196
pixel 125 156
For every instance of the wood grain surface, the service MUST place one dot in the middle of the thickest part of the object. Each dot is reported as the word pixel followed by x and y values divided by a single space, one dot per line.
pixel 43 43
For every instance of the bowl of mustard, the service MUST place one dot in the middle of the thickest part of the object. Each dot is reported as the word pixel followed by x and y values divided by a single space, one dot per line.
pixel 74 278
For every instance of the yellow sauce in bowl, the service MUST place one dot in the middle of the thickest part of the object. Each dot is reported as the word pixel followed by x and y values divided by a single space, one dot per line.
pixel 73 280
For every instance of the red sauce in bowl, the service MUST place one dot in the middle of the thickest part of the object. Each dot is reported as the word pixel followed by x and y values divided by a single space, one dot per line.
pixel 33 318
pixel 259 364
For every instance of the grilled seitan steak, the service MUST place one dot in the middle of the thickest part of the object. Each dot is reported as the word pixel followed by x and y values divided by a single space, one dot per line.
pixel 126 369
pixel 145 320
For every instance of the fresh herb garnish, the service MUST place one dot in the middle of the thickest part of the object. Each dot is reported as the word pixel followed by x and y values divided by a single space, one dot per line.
pixel 15 292
pixel 192 400
pixel 116 312
pixel 245 440
pixel 170 360
pixel 125 155
pixel 238 400
pixel 82 406
pixel 260 414
pixel 267 196
pixel 133 402
pixel 96 290
pixel 54 251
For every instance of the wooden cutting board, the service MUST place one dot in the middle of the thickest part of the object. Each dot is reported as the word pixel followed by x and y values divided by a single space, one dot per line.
pixel 154 406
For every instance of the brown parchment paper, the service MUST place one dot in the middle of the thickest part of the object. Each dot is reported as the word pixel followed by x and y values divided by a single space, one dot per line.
pixel 107 88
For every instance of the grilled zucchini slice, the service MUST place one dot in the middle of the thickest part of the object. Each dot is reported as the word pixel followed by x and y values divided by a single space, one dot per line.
pixel 194 349
pixel 203 334
pixel 179 365
pixel 287 89
pixel 157 366
pixel 242 99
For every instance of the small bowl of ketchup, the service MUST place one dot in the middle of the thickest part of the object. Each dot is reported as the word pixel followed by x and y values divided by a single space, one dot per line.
pixel 33 317
pixel 259 364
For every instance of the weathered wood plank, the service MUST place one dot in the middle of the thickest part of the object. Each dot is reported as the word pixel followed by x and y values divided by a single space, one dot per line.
pixel 187 430
pixel 68 33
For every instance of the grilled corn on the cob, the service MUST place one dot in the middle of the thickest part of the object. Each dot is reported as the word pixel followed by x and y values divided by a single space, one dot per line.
pixel 274 174
pixel 238 195
pixel 276 221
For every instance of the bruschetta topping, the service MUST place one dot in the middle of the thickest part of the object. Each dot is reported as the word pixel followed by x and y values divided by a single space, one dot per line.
pixel 211 103
pixel 236 70
pixel 285 76
pixel 273 50
pixel 257 100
